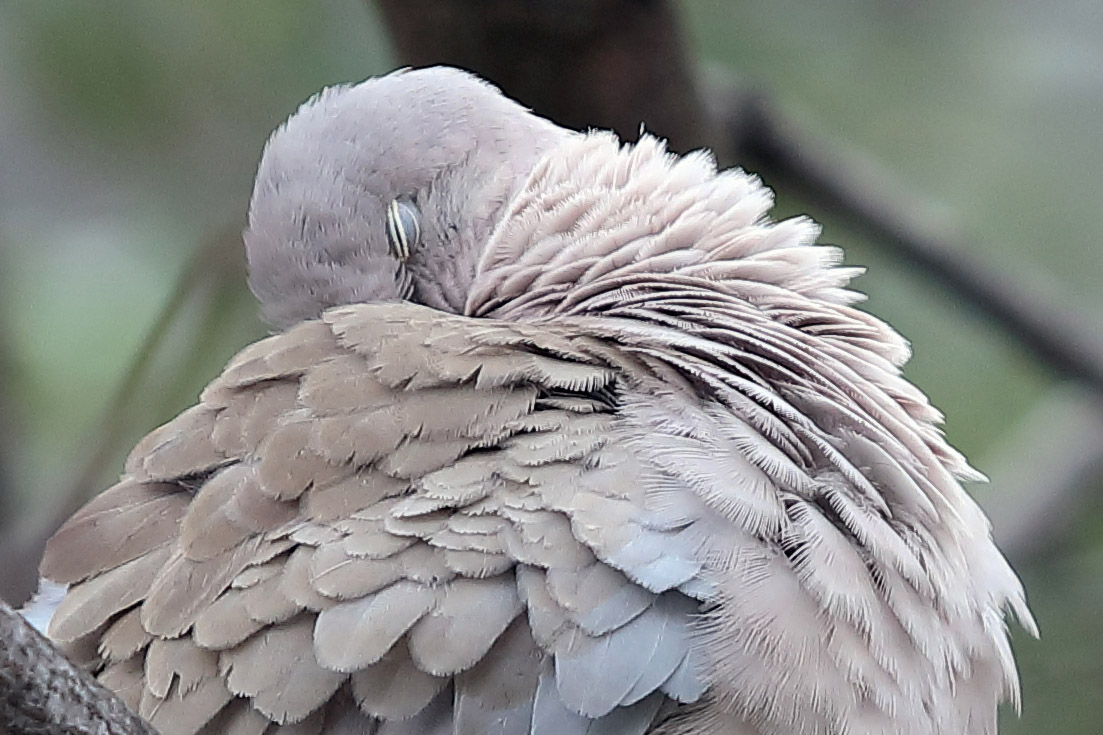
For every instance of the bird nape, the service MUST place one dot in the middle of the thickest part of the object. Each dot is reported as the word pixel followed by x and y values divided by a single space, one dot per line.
pixel 560 435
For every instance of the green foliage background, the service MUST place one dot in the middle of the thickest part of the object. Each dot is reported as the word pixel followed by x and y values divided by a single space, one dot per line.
pixel 129 131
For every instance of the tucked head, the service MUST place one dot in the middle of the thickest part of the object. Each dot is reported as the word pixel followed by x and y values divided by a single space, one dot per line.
pixel 385 190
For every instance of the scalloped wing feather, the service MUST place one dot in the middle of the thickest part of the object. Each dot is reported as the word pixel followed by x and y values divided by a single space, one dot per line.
pixel 294 584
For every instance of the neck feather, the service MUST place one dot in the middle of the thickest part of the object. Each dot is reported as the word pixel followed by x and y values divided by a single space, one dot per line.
pixel 674 260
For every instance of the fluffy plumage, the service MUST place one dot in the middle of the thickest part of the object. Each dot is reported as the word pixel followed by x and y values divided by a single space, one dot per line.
pixel 655 474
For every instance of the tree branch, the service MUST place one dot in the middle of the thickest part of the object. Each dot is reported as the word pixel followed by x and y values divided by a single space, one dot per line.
pixel 583 63
pixel 42 693
pixel 862 195
pixel 1043 472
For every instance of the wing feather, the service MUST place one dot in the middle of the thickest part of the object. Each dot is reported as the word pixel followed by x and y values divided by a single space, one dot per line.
pixel 277 669
pixel 185 712
pixel 394 688
pixel 434 719
pixel 462 627
pixel 600 598
pixel 181 448
pixel 124 638
pixel 90 604
pixel 354 634
pixel 125 678
pixel 496 695
pixel 627 657
pixel 225 622
pixel 338 552
pixel 183 587
pixel 342 576
pixel 177 661
pixel 239 717
pixel 122 523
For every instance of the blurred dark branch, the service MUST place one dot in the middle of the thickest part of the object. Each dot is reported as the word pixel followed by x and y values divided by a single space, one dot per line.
pixel 10 426
pixel 8 501
pixel 617 63
pixel 9 504
pixel 42 693
pixel 867 199
pixel 583 63
pixel 1045 470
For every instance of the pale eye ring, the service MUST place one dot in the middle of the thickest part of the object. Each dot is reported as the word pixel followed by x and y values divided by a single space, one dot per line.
pixel 403 228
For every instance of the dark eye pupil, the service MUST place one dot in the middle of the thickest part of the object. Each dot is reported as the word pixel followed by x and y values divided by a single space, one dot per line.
pixel 403 228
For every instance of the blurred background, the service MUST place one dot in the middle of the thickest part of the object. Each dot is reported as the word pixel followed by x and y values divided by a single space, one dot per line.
pixel 130 129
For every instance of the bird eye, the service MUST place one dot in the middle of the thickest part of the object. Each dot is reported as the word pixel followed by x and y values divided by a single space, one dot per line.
pixel 403 227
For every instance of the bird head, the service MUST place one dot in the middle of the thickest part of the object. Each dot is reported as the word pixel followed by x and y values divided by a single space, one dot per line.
pixel 386 190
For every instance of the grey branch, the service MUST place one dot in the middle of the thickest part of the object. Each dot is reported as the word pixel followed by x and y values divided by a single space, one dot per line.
pixel 1044 471
pixel 43 693
pixel 860 194
pixel 582 63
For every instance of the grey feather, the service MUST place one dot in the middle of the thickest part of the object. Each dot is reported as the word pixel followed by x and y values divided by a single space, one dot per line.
pixel 355 634
pixel 632 660
pixel 495 697
pixel 91 604
pixel 635 719
pixel 434 719
pixel 188 713
pixel 549 715
pixel 276 668
pixel 394 688
pixel 468 618
pixel 599 597
pixel 237 718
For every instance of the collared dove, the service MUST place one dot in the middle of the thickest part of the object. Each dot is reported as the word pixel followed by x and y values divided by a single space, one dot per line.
pixel 561 436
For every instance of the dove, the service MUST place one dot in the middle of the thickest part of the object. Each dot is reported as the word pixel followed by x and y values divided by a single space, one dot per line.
pixel 556 435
